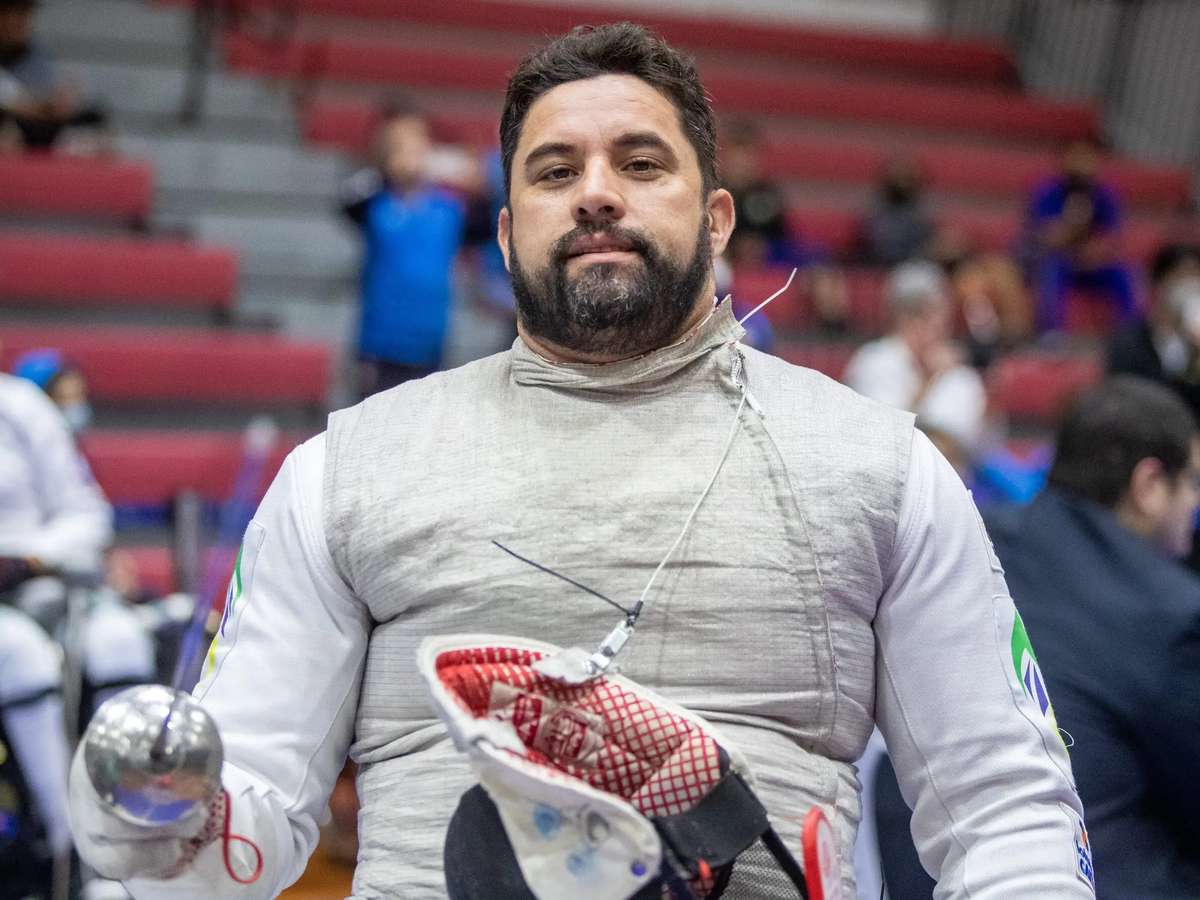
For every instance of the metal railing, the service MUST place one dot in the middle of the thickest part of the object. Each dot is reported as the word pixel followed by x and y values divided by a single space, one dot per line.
pixel 1135 58
pixel 272 20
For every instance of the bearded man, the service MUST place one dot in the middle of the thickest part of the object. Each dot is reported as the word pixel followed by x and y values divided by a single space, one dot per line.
pixel 832 571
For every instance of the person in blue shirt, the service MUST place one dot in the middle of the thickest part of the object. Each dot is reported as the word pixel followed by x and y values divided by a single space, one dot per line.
pixel 413 231
pixel 1074 220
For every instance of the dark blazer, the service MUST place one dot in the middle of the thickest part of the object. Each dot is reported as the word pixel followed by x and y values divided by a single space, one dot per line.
pixel 1131 351
pixel 1116 628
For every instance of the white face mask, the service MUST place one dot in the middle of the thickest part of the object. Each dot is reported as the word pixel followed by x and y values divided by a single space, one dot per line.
pixel 1183 299
pixel 78 416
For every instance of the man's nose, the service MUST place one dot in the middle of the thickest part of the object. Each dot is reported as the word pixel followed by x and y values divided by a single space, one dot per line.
pixel 598 195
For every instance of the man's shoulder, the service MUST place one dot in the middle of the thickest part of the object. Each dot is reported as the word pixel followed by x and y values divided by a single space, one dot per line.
pixel 420 398
pixel 811 413
pixel 26 402
pixel 797 388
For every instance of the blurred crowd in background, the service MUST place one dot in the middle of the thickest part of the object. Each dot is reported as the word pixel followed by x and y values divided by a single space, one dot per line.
pixel 948 310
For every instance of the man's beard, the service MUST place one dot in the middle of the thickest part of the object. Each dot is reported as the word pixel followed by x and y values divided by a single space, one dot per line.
pixel 610 309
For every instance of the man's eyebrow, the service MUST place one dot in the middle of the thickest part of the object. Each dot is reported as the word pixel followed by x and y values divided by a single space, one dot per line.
pixel 550 148
pixel 631 139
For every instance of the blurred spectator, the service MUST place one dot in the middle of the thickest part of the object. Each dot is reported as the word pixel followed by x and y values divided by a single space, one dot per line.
pixel 63 383
pixel 898 225
pixel 495 283
pixel 762 238
pixel 761 235
pixel 988 292
pixel 54 527
pixel 52 514
pixel 1165 345
pixel 37 105
pixel 1073 239
pixel 413 230
pixel 918 367
pixel 1092 566
pixel 33 766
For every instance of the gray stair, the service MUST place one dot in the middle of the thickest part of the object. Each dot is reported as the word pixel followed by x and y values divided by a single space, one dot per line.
pixel 192 161
pixel 241 176
pixel 317 248
pixel 148 95
pixel 113 29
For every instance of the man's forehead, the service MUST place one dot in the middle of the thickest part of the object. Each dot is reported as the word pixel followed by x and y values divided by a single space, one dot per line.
pixel 600 109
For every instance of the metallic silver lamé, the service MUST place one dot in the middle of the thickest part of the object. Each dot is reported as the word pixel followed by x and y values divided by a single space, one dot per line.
pixel 153 755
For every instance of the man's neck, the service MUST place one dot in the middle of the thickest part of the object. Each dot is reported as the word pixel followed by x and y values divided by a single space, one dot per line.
pixel 1133 519
pixel 559 354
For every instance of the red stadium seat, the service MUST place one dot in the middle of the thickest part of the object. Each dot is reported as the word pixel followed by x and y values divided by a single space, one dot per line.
pixel 1037 387
pixel 152 467
pixel 51 185
pixel 824 96
pixel 155 366
pixel 114 271
pixel 973 60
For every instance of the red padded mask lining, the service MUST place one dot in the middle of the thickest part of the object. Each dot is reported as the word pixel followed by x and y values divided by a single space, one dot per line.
pixel 609 737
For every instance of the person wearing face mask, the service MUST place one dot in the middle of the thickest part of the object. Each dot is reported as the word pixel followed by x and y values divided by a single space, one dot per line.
pixel 1073 238
pixel 807 563
pixel 63 383
pixel 898 226
pixel 54 525
pixel 1164 346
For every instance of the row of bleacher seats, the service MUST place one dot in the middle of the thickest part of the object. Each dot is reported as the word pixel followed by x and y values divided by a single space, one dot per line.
pixel 980 110
pixel 46 185
pixel 40 269
pixel 199 367
pixel 979 61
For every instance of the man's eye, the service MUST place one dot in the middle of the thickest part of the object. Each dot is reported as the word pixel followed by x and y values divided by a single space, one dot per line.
pixel 558 173
pixel 642 166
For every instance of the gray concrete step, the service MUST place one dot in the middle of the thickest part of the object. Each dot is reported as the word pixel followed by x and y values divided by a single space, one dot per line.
pixel 144 95
pixel 187 161
pixel 319 248
pixel 113 29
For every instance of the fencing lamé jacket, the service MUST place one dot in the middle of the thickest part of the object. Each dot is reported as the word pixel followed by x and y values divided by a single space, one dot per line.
pixel 837 574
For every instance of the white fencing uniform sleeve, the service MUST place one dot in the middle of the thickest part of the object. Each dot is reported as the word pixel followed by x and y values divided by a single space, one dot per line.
pixel 76 520
pixel 281 681
pixel 977 755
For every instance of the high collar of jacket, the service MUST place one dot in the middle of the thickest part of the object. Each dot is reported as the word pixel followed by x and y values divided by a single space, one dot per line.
pixel 718 329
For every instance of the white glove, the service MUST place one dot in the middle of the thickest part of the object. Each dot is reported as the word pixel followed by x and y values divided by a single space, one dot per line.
pixel 118 849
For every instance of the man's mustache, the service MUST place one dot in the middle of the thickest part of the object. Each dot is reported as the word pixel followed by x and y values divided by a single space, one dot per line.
pixel 635 240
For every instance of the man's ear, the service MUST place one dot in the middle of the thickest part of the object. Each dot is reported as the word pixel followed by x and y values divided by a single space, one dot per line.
pixel 719 209
pixel 504 233
pixel 1149 488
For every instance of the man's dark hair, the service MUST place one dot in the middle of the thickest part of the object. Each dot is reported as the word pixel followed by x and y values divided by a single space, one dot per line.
pixel 618 49
pixel 1109 429
pixel 1169 257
